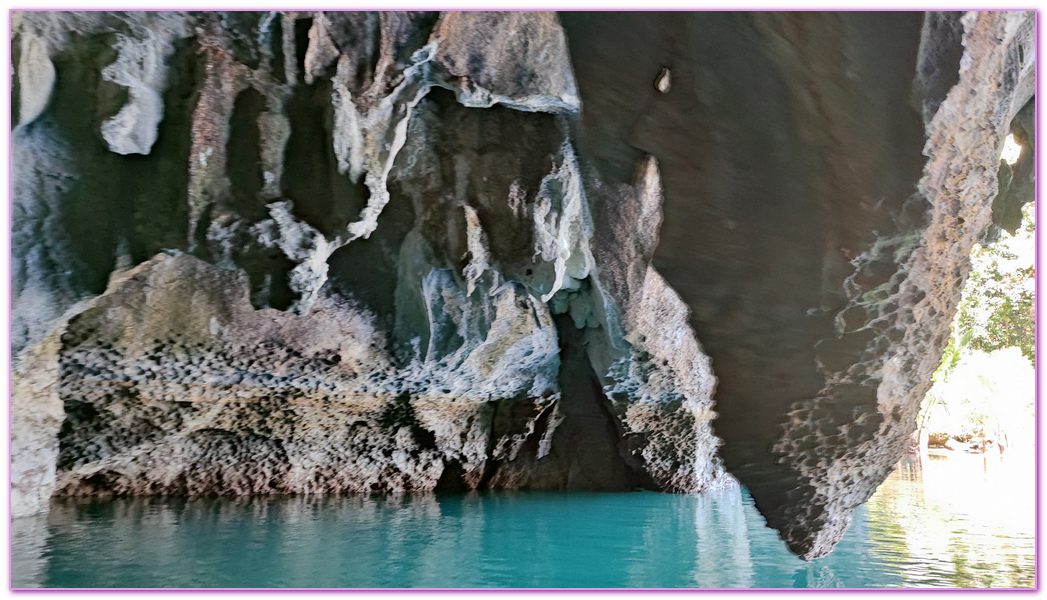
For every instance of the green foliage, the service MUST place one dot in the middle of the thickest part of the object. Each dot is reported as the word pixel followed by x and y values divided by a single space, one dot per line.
pixel 984 386
pixel 999 303
pixel 951 358
pixel 952 355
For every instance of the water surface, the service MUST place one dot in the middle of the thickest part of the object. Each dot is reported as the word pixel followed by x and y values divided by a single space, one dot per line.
pixel 958 522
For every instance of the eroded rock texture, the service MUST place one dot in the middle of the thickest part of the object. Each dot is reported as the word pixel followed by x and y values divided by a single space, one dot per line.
pixel 820 206
pixel 346 252
pixel 355 255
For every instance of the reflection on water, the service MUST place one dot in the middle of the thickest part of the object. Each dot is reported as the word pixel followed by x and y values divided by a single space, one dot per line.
pixel 956 522
pixel 968 519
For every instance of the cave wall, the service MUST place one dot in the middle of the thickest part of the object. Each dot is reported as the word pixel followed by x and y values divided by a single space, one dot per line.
pixel 362 252
pixel 354 255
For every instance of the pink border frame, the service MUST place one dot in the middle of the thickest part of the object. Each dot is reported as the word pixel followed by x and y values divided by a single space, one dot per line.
pixel 6 352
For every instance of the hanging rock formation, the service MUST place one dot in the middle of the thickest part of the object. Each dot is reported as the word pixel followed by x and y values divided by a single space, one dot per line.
pixel 825 177
pixel 338 252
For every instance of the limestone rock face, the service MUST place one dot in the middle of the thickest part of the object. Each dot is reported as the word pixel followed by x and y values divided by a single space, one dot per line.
pixel 173 383
pixel 825 176
pixel 356 254
pixel 352 252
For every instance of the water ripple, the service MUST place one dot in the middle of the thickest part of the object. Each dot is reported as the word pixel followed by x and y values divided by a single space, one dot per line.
pixel 927 526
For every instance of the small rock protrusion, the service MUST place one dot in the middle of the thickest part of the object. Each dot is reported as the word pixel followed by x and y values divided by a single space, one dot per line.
pixel 664 81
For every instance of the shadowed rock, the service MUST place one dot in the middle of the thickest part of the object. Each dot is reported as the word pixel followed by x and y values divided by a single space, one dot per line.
pixel 820 253
pixel 305 252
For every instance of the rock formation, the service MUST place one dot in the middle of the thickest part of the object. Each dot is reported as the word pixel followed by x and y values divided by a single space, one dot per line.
pixel 820 205
pixel 338 252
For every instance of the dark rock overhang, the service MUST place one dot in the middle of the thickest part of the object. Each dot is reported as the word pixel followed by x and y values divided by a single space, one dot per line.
pixel 483 233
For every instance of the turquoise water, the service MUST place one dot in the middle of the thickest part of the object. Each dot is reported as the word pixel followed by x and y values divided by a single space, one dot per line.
pixel 905 536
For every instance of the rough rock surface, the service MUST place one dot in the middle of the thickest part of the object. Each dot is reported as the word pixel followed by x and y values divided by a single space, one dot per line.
pixel 173 383
pixel 355 255
pixel 403 251
pixel 825 176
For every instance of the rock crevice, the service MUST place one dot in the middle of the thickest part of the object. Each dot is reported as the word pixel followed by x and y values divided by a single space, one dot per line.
pixel 353 252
